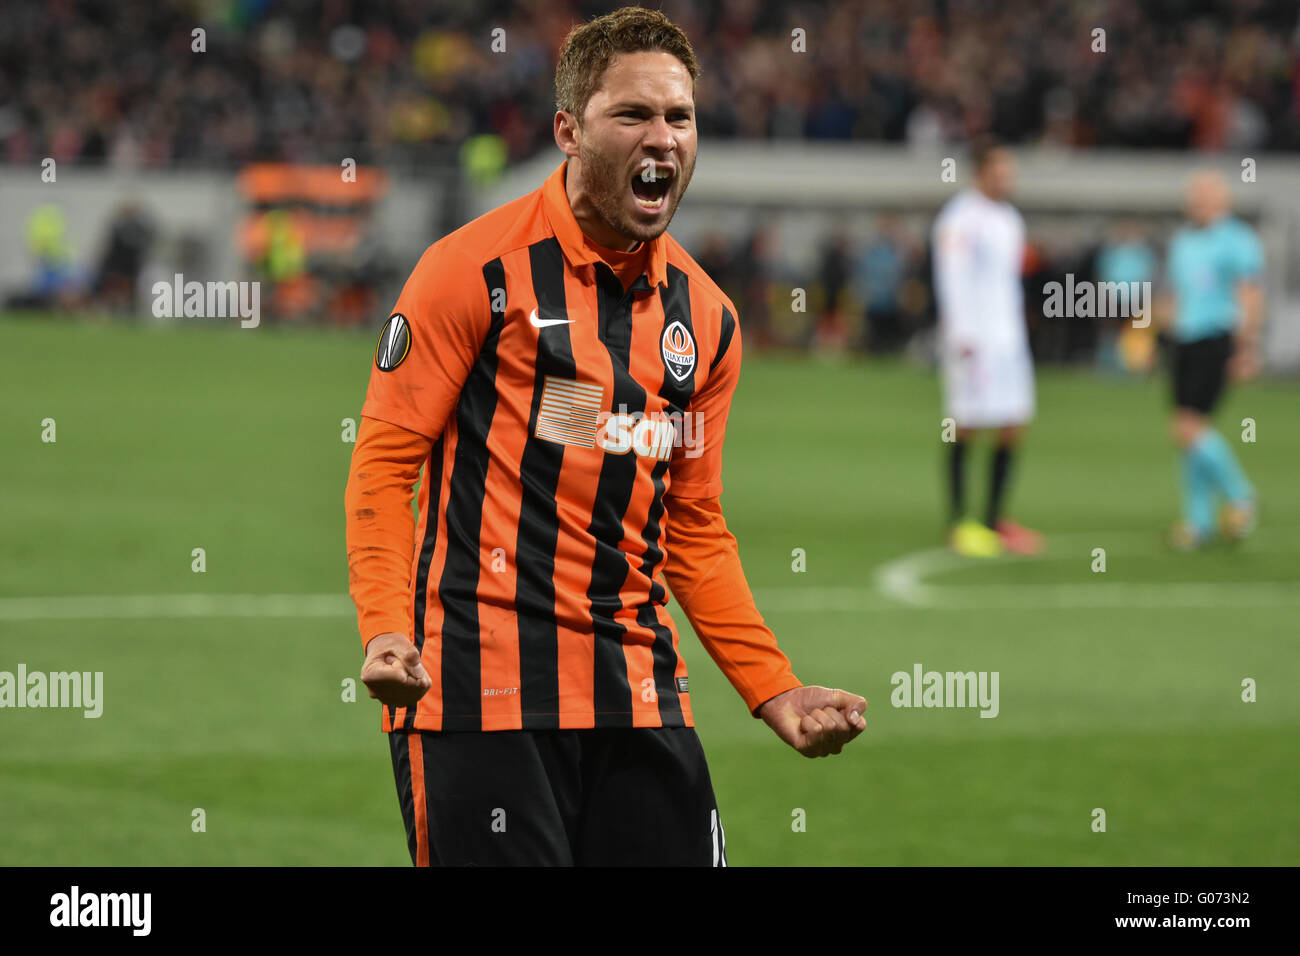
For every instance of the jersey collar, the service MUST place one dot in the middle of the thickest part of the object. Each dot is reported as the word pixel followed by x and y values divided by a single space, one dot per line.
pixel 580 250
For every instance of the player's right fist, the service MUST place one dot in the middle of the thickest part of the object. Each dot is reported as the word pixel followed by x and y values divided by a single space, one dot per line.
pixel 392 671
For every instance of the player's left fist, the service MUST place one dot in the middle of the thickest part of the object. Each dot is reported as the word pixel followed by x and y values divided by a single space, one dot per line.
pixel 816 721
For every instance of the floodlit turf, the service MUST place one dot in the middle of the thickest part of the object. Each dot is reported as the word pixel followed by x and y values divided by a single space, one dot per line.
pixel 1118 690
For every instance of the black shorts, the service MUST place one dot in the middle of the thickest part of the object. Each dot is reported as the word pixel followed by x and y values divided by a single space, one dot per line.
pixel 609 797
pixel 1200 371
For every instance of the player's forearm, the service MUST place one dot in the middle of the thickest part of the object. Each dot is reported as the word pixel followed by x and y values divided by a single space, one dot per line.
pixel 380 525
pixel 1250 301
pixel 703 570
pixel 1162 310
pixel 954 301
pixel 958 323
pixel 957 338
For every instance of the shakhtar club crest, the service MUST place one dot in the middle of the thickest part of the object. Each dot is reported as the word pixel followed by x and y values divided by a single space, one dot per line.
pixel 679 351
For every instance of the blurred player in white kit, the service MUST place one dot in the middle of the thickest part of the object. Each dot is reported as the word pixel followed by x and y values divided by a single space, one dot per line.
pixel 988 372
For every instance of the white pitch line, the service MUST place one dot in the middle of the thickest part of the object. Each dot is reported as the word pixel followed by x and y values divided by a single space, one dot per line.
pixel 163 606
pixel 899 584
pixel 87 607
pixel 1113 594
pixel 903 580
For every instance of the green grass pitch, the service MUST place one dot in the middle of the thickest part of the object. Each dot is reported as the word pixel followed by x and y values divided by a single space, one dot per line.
pixel 1118 690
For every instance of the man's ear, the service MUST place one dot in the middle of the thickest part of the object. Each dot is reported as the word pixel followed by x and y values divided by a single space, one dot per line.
pixel 568 134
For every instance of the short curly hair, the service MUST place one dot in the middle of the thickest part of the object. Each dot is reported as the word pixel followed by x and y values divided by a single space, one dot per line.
pixel 589 47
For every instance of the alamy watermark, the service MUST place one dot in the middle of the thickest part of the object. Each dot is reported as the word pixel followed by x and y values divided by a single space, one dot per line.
pixel 208 300
pixel 922 688
pixel 1098 300
pixel 75 690
pixel 75 908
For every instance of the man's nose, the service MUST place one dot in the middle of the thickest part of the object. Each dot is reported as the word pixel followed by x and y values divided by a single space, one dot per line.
pixel 660 135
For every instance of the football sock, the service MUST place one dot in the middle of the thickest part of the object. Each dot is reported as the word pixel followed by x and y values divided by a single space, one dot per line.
pixel 1001 469
pixel 957 480
pixel 1198 491
pixel 1222 466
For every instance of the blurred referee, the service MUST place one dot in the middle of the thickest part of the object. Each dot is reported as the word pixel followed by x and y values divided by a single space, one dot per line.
pixel 1215 274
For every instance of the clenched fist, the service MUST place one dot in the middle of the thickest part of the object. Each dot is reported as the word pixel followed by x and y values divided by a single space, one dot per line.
pixel 392 671
pixel 816 721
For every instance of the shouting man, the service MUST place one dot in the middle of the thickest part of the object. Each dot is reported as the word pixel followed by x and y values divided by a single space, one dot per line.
pixel 562 372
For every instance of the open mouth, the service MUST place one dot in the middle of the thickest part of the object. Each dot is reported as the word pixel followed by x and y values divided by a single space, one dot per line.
pixel 651 193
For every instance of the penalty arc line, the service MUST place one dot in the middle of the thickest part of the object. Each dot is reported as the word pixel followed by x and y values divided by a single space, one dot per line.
pixel 904 580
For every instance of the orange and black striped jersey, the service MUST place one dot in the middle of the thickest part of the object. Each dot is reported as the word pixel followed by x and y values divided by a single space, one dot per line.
pixel 564 407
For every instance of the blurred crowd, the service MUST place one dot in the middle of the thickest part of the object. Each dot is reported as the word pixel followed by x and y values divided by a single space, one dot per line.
pixel 868 291
pixel 872 291
pixel 312 80
pixel 468 84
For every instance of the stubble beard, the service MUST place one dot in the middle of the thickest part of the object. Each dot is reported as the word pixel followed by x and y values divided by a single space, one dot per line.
pixel 603 182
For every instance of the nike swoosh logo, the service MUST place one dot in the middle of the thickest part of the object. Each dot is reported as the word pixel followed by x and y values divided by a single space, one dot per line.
pixel 543 323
